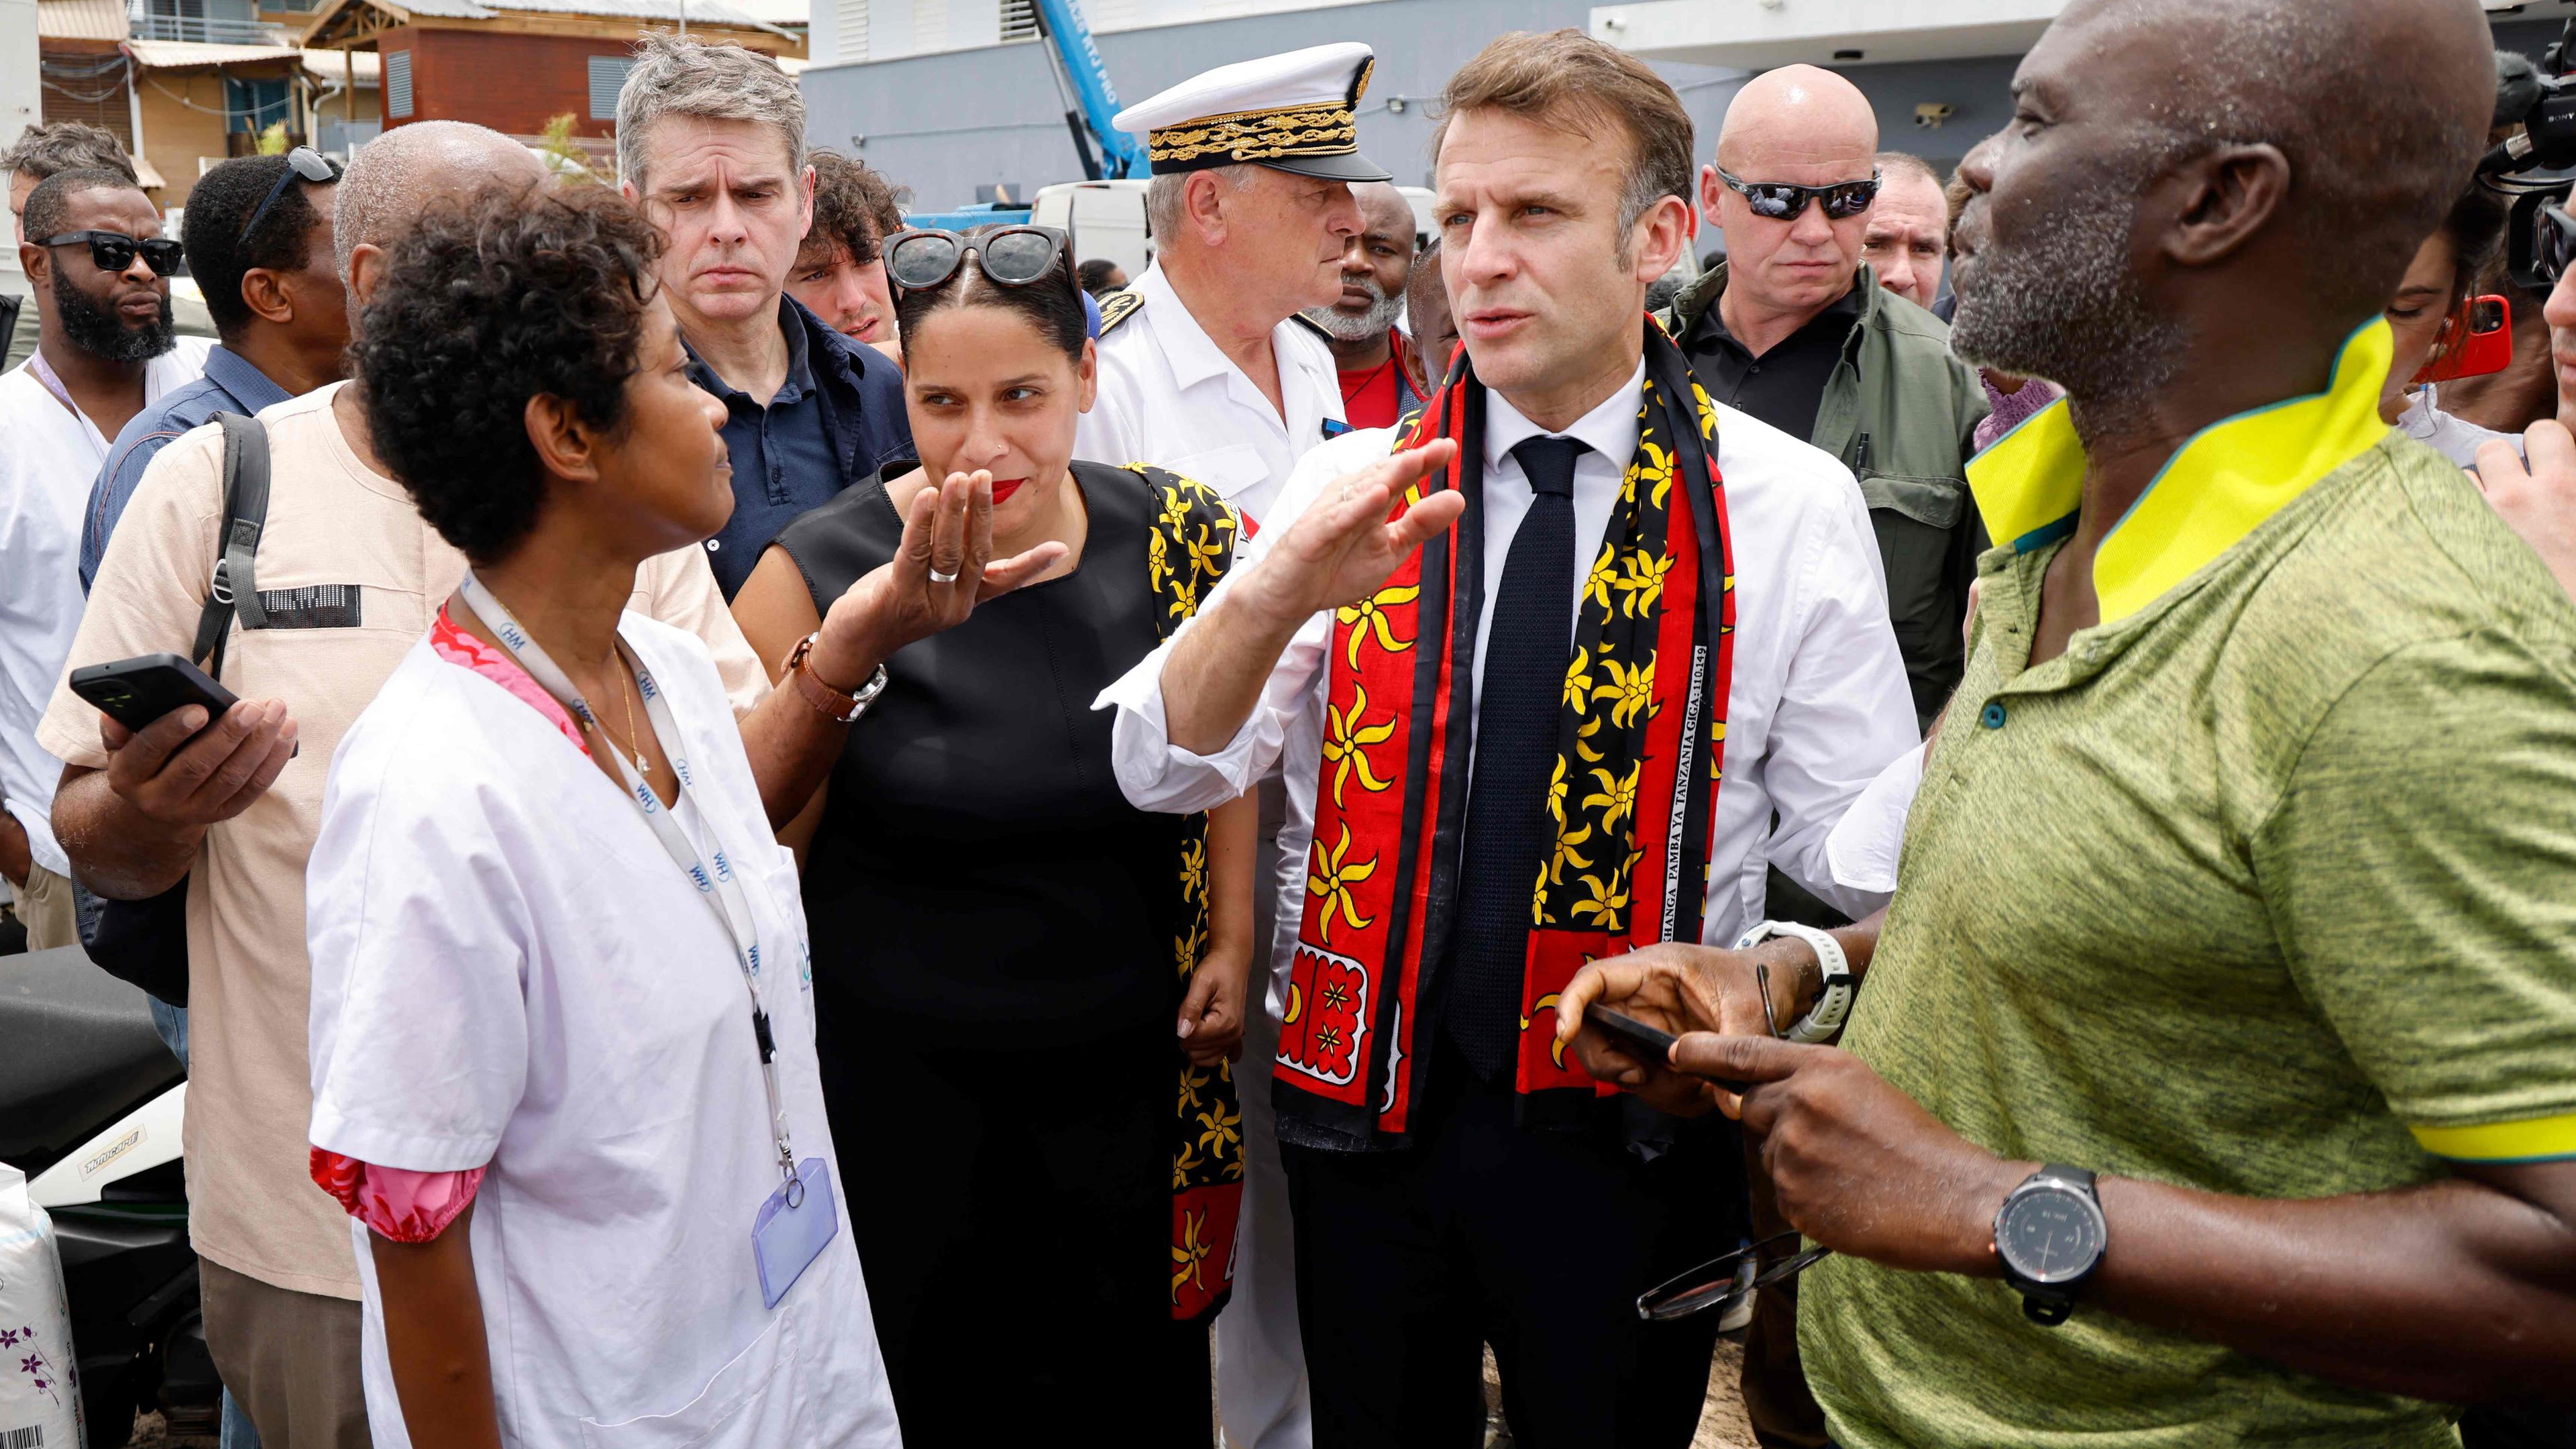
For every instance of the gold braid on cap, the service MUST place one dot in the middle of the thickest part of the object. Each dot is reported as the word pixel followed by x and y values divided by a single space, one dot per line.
pixel 1314 128
pixel 1310 130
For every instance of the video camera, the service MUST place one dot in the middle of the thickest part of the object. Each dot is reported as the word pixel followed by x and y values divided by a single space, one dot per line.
pixel 2530 166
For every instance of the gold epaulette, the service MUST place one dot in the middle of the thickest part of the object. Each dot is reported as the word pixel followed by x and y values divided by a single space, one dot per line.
pixel 1117 307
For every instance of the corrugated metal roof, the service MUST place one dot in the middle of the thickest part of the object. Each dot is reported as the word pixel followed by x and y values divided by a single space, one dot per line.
pixel 778 12
pixel 711 12
pixel 80 19
pixel 333 65
pixel 182 54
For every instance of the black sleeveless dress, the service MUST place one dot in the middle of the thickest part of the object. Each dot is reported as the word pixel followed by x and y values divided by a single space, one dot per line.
pixel 991 925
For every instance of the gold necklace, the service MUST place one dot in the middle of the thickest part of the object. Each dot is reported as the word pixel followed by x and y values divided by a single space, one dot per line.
pixel 634 742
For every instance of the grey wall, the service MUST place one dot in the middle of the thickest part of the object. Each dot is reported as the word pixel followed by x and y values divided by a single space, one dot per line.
pixel 947 124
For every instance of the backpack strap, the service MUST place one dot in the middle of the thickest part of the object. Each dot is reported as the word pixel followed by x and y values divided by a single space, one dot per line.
pixel 235 592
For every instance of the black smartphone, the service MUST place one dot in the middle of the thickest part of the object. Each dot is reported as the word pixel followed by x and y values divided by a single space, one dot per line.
pixel 1654 1045
pixel 135 692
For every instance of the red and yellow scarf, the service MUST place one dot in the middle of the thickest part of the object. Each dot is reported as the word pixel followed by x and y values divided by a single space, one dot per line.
pixel 1189 547
pixel 1640 744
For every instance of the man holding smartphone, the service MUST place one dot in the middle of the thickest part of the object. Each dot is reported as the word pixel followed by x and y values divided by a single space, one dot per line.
pixel 92 249
pixel 2212 1080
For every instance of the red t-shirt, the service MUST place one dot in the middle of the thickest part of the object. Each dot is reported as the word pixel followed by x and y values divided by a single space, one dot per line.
pixel 1375 397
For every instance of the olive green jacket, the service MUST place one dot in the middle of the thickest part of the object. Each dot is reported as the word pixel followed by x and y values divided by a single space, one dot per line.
pixel 1899 411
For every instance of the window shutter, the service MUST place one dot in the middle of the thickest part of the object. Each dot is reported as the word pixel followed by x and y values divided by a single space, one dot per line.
pixel 607 78
pixel 852 37
pixel 398 84
pixel 1019 20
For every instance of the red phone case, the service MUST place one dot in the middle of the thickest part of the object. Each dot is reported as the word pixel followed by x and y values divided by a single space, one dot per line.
pixel 2478 339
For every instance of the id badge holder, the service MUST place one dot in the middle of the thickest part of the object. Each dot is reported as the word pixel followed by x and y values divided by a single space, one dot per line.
pixel 794 1226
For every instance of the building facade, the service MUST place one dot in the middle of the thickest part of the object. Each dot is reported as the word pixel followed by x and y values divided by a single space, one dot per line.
pixel 887 79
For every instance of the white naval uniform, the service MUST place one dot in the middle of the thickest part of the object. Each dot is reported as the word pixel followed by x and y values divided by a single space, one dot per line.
pixel 1169 397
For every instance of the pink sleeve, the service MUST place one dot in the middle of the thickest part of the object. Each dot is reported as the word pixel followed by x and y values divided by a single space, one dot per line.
pixel 2009 410
pixel 396 1203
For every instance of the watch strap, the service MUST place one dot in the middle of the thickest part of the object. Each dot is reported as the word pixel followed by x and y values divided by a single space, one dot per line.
pixel 1833 1005
pixel 833 704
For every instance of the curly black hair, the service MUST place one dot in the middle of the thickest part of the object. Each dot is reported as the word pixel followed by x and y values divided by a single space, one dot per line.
pixel 219 205
pixel 853 208
pixel 487 303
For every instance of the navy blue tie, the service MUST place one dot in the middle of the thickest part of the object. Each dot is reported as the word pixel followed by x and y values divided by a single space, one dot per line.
pixel 1518 703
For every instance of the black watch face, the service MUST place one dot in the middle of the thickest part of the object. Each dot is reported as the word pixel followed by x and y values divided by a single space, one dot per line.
pixel 2050 1236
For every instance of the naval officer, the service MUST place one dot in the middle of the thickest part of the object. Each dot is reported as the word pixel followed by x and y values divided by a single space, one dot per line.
pixel 1206 368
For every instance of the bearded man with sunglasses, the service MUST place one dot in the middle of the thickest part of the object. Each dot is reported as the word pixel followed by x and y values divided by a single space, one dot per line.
pixel 106 349
pixel 1793 328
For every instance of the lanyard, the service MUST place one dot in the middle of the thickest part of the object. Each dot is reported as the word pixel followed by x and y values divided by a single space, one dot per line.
pixel 719 887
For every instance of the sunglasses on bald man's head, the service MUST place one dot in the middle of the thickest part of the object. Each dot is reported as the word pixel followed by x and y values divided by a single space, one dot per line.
pixel 1787 201
pixel 1014 256
pixel 113 251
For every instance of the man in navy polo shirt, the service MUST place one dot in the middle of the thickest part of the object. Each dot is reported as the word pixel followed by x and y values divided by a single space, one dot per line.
pixel 711 142
pixel 258 241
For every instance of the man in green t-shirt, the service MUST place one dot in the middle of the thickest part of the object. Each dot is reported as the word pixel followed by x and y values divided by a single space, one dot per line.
pixel 2215 1078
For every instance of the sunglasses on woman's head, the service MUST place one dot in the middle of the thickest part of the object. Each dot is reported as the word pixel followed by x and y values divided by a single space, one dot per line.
pixel 1786 201
pixel 114 251
pixel 1013 256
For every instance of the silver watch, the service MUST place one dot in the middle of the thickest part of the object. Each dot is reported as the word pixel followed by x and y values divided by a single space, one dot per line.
pixel 1825 1017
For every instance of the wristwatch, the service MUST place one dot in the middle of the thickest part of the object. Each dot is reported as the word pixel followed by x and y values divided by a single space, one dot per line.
pixel 2049 1237
pixel 832 704
pixel 1825 1017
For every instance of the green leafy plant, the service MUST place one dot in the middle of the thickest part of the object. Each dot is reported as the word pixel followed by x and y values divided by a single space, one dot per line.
pixel 272 142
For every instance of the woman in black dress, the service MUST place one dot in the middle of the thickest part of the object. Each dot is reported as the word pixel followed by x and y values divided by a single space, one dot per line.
pixel 1026 989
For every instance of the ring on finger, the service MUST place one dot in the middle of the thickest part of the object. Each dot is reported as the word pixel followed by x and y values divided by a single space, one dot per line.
pixel 937 577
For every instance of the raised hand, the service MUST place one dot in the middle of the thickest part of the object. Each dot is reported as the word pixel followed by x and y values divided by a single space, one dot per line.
pixel 943 568
pixel 1343 546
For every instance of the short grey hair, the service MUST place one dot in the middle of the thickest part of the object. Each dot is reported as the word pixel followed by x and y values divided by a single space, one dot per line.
pixel 1163 195
pixel 676 76
pixel 1895 164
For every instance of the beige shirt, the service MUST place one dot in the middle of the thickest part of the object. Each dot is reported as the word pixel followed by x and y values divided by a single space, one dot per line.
pixel 332 521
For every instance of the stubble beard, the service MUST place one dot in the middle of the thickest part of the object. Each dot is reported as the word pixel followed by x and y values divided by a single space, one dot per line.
pixel 1374 322
pixel 2062 303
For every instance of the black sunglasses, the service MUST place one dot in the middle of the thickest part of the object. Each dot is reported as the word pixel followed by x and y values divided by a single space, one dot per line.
pixel 1786 201
pixel 114 251
pixel 302 163
pixel 1723 1282
pixel 1014 256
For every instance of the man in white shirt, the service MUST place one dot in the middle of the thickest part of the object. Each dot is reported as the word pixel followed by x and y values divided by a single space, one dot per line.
pixel 1654 659
pixel 1205 368
pixel 106 349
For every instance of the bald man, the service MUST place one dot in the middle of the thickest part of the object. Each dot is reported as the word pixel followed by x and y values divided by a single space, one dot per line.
pixel 2138 1132
pixel 1368 350
pixel 343 580
pixel 1793 329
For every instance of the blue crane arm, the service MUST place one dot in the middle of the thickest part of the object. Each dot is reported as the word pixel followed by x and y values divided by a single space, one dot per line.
pixel 1122 154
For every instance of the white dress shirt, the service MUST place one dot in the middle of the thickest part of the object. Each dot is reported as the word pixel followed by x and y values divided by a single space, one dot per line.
pixel 1817 707
pixel 49 454
pixel 1168 396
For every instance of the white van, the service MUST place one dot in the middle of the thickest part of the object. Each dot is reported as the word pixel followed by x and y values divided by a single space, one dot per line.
pixel 1107 219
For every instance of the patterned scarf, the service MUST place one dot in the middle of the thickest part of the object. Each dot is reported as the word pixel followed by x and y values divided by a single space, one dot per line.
pixel 1639 746
pixel 1189 548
